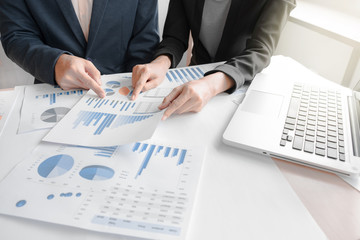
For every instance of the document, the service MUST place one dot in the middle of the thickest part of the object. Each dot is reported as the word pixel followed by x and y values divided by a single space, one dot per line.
pixel 144 190
pixel 109 121
pixel 115 119
pixel 7 100
pixel 239 94
pixel 45 105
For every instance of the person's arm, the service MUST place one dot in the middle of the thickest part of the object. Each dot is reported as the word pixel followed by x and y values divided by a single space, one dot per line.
pixel 194 95
pixel 176 33
pixel 148 76
pixel 145 35
pixel 261 46
pixel 169 52
pixel 23 43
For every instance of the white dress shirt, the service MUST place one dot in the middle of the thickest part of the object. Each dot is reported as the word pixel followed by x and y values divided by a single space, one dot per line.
pixel 83 10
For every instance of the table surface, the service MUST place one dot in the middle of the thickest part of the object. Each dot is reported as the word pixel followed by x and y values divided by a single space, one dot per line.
pixel 332 203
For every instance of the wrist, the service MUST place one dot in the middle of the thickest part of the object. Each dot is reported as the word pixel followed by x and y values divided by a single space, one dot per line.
pixel 219 82
pixel 164 60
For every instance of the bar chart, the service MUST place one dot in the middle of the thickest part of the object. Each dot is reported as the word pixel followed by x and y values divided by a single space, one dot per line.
pixel 184 75
pixel 107 152
pixel 102 103
pixel 53 96
pixel 100 120
pixel 158 153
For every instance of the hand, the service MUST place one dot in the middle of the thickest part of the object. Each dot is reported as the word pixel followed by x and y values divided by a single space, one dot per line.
pixel 74 72
pixel 148 76
pixel 193 96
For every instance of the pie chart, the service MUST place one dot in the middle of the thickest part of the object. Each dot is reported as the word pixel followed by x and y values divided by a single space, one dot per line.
pixel 54 115
pixel 56 166
pixel 97 173
pixel 113 84
pixel 109 92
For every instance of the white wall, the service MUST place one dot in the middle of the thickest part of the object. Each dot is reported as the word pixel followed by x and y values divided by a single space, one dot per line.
pixel 325 39
pixel 318 52
pixel 11 74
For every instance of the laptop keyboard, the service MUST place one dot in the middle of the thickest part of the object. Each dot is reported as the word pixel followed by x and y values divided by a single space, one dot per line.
pixel 314 122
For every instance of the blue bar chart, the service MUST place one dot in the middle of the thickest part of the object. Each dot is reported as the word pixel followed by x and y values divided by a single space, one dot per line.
pixel 121 106
pixel 101 151
pixel 53 96
pixel 101 120
pixel 98 119
pixel 124 120
pixel 153 152
pixel 184 75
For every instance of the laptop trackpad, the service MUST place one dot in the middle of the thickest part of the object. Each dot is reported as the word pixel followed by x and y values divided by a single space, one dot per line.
pixel 262 103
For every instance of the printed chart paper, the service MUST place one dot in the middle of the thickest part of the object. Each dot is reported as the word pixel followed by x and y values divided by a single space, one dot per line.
pixel 45 105
pixel 115 119
pixel 7 101
pixel 143 190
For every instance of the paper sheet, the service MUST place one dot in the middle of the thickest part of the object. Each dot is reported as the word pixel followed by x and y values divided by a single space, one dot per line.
pixel 144 190
pixel 45 105
pixel 115 119
pixel 239 95
pixel 7 100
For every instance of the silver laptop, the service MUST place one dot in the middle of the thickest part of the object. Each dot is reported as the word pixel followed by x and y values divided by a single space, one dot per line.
pixel 293 114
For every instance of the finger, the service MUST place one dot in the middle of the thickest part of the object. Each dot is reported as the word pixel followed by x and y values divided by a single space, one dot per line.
pixel 175 105
pixel 93 72
pixel 151 84
pixel 189 106
pixel 171 97
pixel 138 85
pixel 93 85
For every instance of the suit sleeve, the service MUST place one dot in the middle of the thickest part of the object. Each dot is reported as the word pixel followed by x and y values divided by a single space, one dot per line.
pixel 145 36
pixel 176 33
pixel 23 42
pixel 261 46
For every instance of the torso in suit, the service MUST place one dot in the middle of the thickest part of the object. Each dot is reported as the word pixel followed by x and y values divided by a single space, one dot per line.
pixel 251 33
pixel 35 33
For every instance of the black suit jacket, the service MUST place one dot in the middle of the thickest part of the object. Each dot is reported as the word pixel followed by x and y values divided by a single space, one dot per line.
pixel 250 35
pixel 35 33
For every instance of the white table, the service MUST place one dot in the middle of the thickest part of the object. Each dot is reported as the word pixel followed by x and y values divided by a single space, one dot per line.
pixel 238 197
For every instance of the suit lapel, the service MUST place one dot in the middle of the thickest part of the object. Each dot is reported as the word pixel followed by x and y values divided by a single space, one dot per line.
pixel 72 20
pixel 97 15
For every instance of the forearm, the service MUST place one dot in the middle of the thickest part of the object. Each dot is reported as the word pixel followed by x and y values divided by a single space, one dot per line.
pixel 23 43
pixel 39 61
pixel 176 33
pixel 261 46
pixel 163 60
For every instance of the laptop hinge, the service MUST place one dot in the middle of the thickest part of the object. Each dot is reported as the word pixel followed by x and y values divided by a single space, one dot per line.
pixel 354 113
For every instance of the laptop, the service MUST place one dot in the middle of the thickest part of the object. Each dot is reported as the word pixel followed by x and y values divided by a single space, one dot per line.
pixel 291 113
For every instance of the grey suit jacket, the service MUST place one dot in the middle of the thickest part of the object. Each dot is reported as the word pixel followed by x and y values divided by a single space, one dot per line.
pixel 250 35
